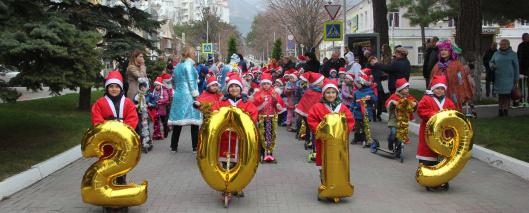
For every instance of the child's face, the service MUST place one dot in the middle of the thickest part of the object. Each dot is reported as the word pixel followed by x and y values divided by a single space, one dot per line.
pixel 405 91
pixel 114 90
pixel 347 80
pixel 158 87
pixel 276 84
pixel 439 91
pixel 248 78
pixel 291 79
pixel 214 88
pixel 333 74
pixel 266 86
pixel 342 76
pixel 143 88
pixel 234 90
pixel 330 95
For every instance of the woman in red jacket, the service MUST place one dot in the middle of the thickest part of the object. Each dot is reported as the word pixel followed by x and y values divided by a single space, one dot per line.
pixel 329 103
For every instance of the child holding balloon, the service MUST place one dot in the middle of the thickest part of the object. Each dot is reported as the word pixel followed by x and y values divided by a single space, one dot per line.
pixel 429 105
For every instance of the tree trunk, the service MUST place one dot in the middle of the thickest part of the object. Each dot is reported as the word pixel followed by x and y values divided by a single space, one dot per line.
pixel 468 33
pixel 85 94
pixel 380 20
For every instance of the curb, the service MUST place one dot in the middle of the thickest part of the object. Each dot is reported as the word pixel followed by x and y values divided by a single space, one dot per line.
pixel 492 158
pixel 38 172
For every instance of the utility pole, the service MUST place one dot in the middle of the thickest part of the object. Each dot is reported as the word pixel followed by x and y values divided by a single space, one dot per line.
pixel 344 25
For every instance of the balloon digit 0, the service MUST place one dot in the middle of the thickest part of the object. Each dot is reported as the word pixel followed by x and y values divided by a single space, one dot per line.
pixel 238 177
pixel 97 186
pixel 449 134
pixel 335 157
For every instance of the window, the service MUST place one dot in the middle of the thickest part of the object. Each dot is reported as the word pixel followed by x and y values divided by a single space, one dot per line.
pixel 393 19
pixel 420 55
pixel 487 23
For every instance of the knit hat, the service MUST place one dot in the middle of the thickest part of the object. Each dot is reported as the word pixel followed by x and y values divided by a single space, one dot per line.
pixel 438 81
pixel 328 83
pixel 401 84
pixel 212 80
pixel 114 77
pixel 266 78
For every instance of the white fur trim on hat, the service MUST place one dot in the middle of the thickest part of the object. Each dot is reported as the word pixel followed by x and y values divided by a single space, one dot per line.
pixel 265 81
pixel 350 77
pixel 114 81
pixel 230 82
pixel 318 80
pixel 211 83
pixel 403 86
pixel 438 85
pixel 329 86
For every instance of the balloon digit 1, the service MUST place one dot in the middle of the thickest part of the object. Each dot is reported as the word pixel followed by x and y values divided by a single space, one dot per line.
pixel 97 187
pixel 449 134
pixel 238 177
pixel 335 157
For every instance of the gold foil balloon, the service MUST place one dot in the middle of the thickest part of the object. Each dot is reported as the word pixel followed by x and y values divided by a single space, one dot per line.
pixel 449 134
pixel 302 130
pixel 238 177
pixel 334 134
pixel 97 187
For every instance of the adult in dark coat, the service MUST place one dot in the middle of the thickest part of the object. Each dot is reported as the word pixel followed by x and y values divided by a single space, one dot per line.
pixel 430 59
pixel 333 63
pixel 398 68
pixel 312 65
pixel 523 56
pixel 489 80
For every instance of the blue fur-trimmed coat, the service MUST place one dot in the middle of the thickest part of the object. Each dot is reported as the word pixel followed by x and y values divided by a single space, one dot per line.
pixel 185 87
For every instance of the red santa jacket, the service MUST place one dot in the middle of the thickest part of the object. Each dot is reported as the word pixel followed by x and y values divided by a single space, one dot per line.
pixel 269 102
pixel 309 99
pixel 104 110
pixel 208 97
pixel 225 141
pixel 428 107
pixel 317 113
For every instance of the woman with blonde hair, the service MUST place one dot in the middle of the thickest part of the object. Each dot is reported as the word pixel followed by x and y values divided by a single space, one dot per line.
pixel 185 87
pixel 135 71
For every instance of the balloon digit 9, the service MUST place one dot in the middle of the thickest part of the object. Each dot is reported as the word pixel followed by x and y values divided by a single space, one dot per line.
pixel 238 177
pixel 97 186
pixel 335 157
pixel 449 134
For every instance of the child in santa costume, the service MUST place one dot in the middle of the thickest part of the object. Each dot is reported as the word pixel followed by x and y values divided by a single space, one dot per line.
pixel 434 101
pixel 329 103
pixel 333 74
pixel 311 96
pixel 209 98
pixel 279 87
pixel 347 90
pixel 234 97
pixel 161 96
pixel 402 92
pixel 247 87
pixel 114 106
pixel 341 76
pixel 269 104
pixel 364 93
pixel 291 88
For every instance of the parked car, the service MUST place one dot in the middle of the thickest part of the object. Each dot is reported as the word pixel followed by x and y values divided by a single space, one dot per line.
pixel 8 72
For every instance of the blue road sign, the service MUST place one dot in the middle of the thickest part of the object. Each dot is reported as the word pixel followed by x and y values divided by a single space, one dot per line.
pixel 207 48
pixel 333 31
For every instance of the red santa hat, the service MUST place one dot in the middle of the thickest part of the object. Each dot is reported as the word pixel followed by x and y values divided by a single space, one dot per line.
pixel 341 70
pixel 158 81
pixel 302 58
pixel 438 81
pixel 350 76
pixel 212 80
pixel 328 83
pixel 366 71
pixel 266 78
pixel 114 77
pixel 305 76
pixel 401 84
pixel 333 70
pixel 234 79
pixel 294 75
pixel 315 78
pixel 281 81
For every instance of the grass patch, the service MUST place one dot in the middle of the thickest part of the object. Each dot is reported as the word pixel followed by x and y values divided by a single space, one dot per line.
pixel 506 135
pixel 33 131
pixel 484 101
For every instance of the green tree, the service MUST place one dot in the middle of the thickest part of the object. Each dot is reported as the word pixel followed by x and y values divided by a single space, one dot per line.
pixel 421 12
pixel 277 51
pixel 232 48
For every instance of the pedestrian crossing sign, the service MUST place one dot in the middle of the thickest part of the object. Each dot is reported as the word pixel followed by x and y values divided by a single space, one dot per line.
pixel 207 48
pixel 333 31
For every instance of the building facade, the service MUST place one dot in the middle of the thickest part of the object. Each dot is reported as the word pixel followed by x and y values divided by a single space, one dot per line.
pixel 401 32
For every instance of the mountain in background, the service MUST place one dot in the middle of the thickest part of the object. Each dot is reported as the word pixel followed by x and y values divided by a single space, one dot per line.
pixel 242 13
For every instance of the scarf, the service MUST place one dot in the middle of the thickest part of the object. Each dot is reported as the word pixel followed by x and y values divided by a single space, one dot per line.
pixel 333 104
pixel 443 65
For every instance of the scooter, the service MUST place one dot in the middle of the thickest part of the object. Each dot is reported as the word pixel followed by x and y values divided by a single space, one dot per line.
pixel 396 152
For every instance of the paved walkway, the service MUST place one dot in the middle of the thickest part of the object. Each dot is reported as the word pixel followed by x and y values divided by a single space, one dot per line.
pixel 381 185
